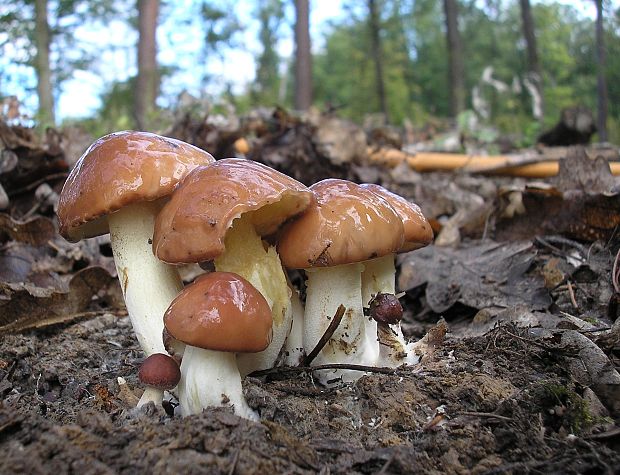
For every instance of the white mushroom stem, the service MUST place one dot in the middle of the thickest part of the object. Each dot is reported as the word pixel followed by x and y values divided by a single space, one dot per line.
pixel 379 276
pixel 327 289
pixel 151 394
pixel 294 344
pixel 148 285
pixel 246 255
pixel 211 378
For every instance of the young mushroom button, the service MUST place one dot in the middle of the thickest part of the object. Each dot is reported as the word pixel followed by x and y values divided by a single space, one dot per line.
pixel 216 316
pixel 332 240
pixel 379 277
pixel 221 212
pixel 159 372
pixel 117 186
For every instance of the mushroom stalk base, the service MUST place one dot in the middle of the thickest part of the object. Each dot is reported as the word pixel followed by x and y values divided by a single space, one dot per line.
pixel 151 394
pixel 148 285
pixel 379 276
pixel 246 255
pixel 294 344
pixel 211 378
pixel 327 289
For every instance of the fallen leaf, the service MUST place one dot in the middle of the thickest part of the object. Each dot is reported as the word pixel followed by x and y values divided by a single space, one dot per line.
pixel 478 276
pixel 35 231
pixel 25 306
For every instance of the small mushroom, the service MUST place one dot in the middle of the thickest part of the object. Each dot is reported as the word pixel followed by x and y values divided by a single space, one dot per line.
pixel 159 372
pixel 218 315
pixel 332 241
pixel 387 311
pixel 379 276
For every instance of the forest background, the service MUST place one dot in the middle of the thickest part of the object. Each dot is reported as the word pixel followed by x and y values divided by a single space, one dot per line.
pixel 511 65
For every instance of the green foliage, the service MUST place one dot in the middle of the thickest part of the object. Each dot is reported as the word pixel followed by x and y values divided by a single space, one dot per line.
pixel 415 60
pixel 17 37
pixel 265 89
pixel 416 66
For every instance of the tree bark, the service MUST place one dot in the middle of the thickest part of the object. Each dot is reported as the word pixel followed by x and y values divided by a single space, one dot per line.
pixel 455 58
pixel 375 39
pixel 46 114
pixel 601 69
pixel 533 63
pixel 303 56
pixel 147 82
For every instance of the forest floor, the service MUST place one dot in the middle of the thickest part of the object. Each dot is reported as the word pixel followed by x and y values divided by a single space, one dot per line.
pixel 525 381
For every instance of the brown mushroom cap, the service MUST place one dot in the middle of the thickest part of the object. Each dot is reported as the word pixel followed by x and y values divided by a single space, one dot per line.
pixel 160 371
pixel 348 224
pixel 120 169
pixel 191 227
pixel 220 311
pixel 418 231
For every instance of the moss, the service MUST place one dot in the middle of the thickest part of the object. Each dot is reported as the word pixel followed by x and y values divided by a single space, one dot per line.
pixel 564 407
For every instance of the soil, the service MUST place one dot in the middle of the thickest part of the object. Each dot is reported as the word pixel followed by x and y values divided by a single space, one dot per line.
pixel 491 404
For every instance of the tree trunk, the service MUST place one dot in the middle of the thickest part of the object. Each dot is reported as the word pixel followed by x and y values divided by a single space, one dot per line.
pixel 42 64
pixel 455 57
pixel 303 56
pixel 147 82
pixel 377 56
pixel 601 81
pixel 533 63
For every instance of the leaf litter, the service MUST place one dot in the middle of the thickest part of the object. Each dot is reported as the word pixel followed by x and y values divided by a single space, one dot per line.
pixel 525 380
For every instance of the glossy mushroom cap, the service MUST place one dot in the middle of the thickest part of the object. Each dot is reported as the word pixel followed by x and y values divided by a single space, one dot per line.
pixel 418 231
pixel 160 371
pixel 347 224
pixel 385 308
pixel 120 169
pixel 221 311
pixel 192 225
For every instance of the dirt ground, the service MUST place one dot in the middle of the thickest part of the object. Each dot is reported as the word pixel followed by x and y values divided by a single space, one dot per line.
pixel 499 403
pixel 526 380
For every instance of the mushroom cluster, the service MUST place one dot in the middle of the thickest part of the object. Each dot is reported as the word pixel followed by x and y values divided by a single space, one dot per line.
pixel 165 203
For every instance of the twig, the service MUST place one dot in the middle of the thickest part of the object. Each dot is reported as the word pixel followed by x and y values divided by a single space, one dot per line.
pixel 34 184
pixel 614 273
pixel 483 414
pixel 615 432
pixel 533 342
pixel 233 465
pixel 387 464
pixel 303 369
pixel 571 294
pixel 326 336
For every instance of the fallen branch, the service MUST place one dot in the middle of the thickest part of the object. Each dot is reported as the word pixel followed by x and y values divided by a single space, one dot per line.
pixel 529 164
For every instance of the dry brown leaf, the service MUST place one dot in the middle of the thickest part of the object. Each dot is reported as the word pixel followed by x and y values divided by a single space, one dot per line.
pixel 36 231
pixel 25 306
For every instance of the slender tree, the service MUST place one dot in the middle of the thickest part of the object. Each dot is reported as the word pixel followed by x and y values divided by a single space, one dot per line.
pixel 533 63
pixel 601 60
pixel 147 82
pixel 377 56
pixel 456 70
pixel 303 56
pixel 42 65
